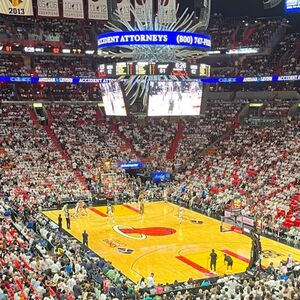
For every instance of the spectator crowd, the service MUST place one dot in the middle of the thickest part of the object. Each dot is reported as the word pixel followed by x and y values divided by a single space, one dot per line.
pixel 68 150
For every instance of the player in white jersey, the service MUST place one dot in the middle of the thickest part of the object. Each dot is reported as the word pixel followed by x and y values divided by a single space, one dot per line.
pixel 166 195
pixel 180 214
pixel 142 208
pixel 65 209
pixel 77 209
pixel 83 208
pixel 110 214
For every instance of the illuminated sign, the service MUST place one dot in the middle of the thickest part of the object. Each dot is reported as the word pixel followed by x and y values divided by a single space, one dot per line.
pixel 29 49
pixel 243 51
pixel 162 68
pixel 142 68
pixel 131 165
pixel 292 5
pixel 121 68
pixel 66 51
pixel 161 176
pixel 173 38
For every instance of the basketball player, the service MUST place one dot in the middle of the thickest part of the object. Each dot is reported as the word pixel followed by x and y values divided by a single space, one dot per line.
pixel 171 105
pixel 142 208
pixel 165 195
pixel 65 209
pixel 180 214
pixel 110 214
pixel 141 198
pixel 228 260
pixel 110 95
pixel 83 208
pixel 77 209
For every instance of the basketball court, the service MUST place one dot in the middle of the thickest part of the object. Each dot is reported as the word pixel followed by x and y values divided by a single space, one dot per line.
pixel 158 243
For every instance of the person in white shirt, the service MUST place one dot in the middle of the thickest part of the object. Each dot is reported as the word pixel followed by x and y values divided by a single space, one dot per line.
pixel 55 268
pixel 71 282
pixel 150 281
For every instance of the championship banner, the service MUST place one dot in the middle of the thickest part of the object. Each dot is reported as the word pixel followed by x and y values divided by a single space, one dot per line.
pixel 143 9
pixel 48 8
pixel 73 9
pixel 16 7
pixel 98 10
pixel 123 7
pixel 166 11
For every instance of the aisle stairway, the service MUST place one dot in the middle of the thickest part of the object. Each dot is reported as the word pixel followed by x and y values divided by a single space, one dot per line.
pixel 34 118
pixel 247 35
pixel 64 155
pixel 50 117
pixel 100 117
pixel 55 142
pixel 176 140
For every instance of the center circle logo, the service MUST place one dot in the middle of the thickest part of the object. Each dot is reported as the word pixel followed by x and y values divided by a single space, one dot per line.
pixel 142 233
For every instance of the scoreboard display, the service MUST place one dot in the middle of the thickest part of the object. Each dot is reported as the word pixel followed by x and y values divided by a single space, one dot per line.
pixel 178 69
pixel 121 69
pixel 142 68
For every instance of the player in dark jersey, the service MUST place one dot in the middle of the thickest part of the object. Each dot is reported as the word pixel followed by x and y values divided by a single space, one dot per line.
pixel 171 105
pixel 228 260
pixel 142 209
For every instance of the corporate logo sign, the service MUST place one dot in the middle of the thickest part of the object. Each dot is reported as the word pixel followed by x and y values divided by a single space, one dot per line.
pixel 171 38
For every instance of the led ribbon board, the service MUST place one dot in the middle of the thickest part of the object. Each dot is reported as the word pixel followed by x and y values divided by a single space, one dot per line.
pixel 163 38
pixel 78 80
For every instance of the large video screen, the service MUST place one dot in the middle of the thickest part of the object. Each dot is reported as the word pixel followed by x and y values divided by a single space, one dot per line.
pixel 113 98
pixel 175 98
pixel 292 5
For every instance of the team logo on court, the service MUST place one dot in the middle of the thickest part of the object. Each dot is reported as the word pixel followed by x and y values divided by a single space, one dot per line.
pixel 15 2
pixel 142 233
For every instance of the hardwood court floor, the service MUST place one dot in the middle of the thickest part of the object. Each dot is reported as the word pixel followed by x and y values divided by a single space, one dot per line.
pixel 161 245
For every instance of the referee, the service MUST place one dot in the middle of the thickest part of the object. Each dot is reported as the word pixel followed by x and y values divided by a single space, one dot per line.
pixel 213 260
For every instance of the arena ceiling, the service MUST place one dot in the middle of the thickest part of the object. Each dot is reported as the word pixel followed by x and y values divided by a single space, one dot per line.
pixel 250 8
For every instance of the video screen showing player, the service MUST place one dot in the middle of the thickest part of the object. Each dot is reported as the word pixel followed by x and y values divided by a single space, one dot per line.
pixel 175 98
pixel 113 99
